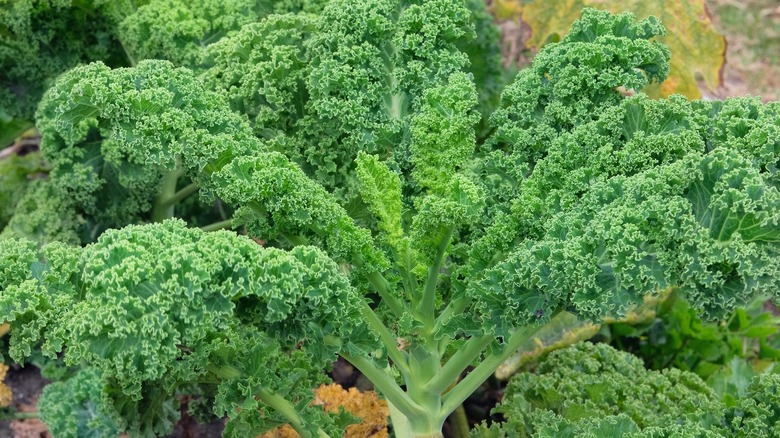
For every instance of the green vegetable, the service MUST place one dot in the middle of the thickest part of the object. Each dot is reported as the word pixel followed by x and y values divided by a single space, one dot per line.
pixel 595 391
pixel 72 408
pixel 39 39
pixel 350 80
pixel 348 143
pixel 16 175
pixel 114 140
pixel 178 30
pixel 162 306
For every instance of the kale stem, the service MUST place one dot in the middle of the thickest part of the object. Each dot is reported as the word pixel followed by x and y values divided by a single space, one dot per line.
pixel 288 411
pixel 399 358
pixel 161 209
pixel 295 239
pixel 459 422
pixel 428 302
pixel 179 196
pixel 221 209
pixel 458 363
pixel 488 366
pixel 382 286
pixel 401 426
pixel 405 263
pixel 386 385
pixel 221 225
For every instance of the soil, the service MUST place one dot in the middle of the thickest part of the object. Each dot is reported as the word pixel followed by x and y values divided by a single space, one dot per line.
pixel 26 384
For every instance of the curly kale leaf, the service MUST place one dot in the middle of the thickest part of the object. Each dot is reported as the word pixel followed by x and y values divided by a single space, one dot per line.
pixel 593 390
pixel 277 200
pixel 34 294
pixel 758 412
pixel 43 215
pixel 706 224
pixel 263 69
pixel 570 83
pixel 118 140
pixel 135 280
pixel 624 201
pixel 73 409
pixel 326 87
pixel 160 306
pixel 179 31
pixel 39 39
pixel 747 125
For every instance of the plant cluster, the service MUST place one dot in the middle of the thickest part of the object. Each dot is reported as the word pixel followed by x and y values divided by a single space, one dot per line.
pixel 389 201
pixel 595 391
pixel 677 337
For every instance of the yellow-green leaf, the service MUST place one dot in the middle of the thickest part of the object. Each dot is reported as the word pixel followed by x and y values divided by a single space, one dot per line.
pixel 565 329
pixel 698 51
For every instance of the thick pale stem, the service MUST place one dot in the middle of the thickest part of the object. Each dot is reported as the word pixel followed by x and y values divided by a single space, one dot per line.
pixel 221 225
pixel 288 411
pixel 162 209
pixel 428 302
pixel 425 365
pixel 382 286
pixel 400 423
pixel 397 106
pixel 458 363
pixel 400 359
pixel 406 263
pixel 386 385
pixel 488 366
pixel 179 196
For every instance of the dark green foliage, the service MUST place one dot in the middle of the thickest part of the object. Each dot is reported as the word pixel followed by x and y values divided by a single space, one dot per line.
pixel 637 196
pixel 350 79
pixel 179 30
pixel 161 306
pixel 72 409
pixel 595 391
pixel 678 337
pixel 39 39
pixel 115 139
pixel 347 144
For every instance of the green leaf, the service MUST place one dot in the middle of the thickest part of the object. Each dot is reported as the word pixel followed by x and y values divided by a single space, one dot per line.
pixel 731 383
pixel 594 390
pixel 563 330
pixel 443 135
pixel 75 408
pixel 380 189
pixel 698 50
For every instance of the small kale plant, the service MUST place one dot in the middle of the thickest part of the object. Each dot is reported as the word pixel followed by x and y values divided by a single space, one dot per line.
pixel 393 209
pixel 592 390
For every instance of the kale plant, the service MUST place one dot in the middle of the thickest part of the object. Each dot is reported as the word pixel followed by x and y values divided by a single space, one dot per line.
pixel 380 209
